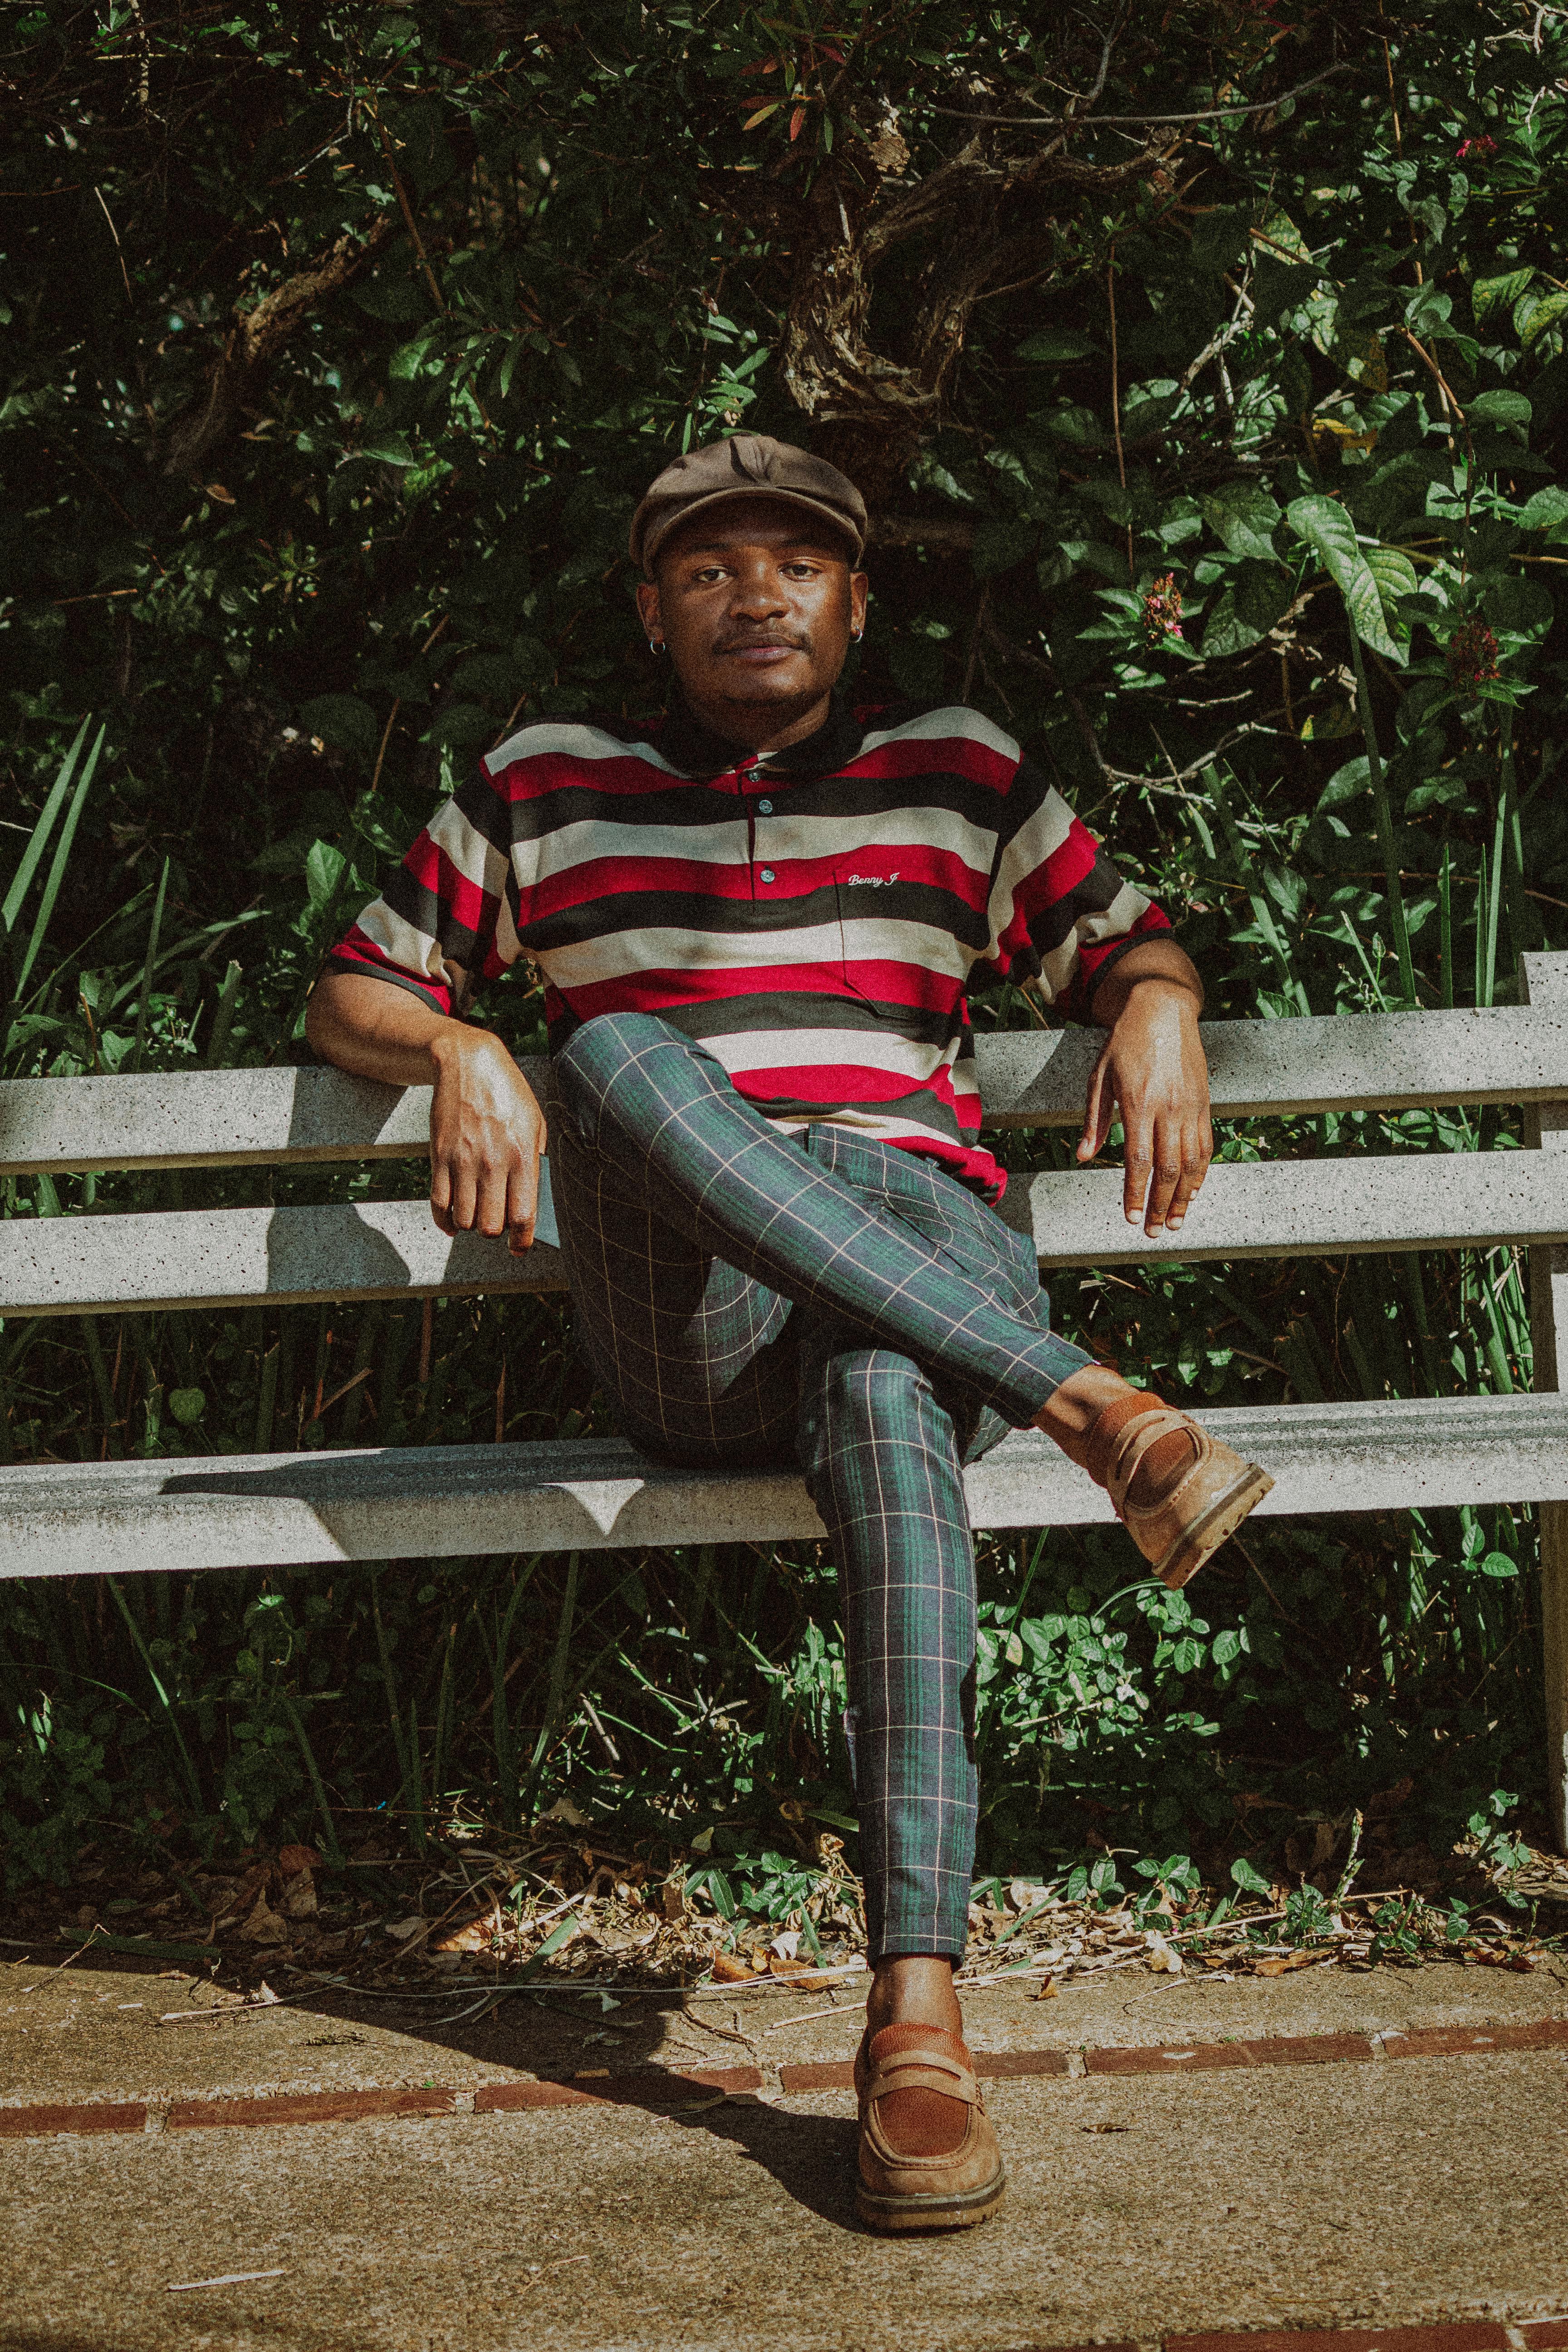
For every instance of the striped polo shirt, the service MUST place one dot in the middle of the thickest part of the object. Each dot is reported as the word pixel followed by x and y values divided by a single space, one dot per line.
pixel 815 916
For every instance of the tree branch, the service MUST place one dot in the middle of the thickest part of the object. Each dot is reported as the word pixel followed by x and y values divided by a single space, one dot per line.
pixel 256 337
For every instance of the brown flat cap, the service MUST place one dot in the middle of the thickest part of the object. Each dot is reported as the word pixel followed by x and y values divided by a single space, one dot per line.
pixel 748 465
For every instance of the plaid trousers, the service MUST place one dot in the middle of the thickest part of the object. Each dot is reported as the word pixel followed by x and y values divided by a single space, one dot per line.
pixel 747 1296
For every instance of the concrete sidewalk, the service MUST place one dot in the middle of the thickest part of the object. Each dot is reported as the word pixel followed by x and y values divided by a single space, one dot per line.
pixel 1342 2190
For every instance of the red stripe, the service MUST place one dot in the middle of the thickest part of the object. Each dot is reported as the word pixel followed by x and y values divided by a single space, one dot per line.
pixel 604 877
pixel 539 774
pixel 355 948
pixel 663 991
pixel 945 755
pixel 468 902
pixel 836 1082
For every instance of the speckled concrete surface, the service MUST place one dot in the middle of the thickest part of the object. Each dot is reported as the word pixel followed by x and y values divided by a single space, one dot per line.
pixel 82 2035
pixel 1316 2196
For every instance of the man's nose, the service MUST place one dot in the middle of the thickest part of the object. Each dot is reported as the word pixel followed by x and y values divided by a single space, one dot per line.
pixel 757 594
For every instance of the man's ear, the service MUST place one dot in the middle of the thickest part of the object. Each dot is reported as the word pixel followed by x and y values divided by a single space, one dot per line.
pixel 860 586
pixel 647 609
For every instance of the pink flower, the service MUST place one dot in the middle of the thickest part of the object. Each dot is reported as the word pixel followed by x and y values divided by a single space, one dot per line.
pixel 1480 148
pixel 1472 655
pixel 1162 611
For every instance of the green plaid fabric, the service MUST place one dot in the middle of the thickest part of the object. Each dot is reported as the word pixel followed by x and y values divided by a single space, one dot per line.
pixel 746 1296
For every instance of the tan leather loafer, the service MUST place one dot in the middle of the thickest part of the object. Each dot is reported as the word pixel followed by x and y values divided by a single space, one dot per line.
pixel 900 2188
pixel 1208 1502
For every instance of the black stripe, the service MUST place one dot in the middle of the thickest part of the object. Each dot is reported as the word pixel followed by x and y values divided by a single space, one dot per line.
pixel 1099 889
pixel 674 802
pixel 631 911
pixel 781 1011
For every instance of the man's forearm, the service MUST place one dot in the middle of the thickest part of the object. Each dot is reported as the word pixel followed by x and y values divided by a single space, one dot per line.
pixel 1157 959
pixel 380 1031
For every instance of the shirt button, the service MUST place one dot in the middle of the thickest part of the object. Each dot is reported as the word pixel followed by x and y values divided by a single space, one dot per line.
pixel 765 808
pixel 767 874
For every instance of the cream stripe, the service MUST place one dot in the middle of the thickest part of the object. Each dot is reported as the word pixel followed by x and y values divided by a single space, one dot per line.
pixel 570 740
pixel 935 726
pixel 866 1049
pixel 590 962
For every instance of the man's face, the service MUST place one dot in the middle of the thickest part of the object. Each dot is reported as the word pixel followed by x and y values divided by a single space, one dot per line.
pixel 757 605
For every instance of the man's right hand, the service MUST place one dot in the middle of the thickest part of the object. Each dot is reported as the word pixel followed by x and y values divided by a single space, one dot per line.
pixel 486 1137
pixel 487 1130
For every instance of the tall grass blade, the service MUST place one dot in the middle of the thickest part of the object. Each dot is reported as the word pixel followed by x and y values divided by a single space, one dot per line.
pixel 505 1738
pixel 1262 912
pixel 557 1693
pixel 1384 819
pixel 38 842
pixel 389 1686
pixel 1494 902
pixel 223 1018
pixel 1446 928
pixel 334 1851
pixel 443 1729
pixel 58 864
pixel 132 1627
pixel 145 1001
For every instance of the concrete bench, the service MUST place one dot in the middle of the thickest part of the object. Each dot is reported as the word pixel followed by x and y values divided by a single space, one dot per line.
pixel 390 1503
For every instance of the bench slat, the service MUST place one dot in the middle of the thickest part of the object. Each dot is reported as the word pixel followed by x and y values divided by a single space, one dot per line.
pixel 216 1118
pixel 236 1257
pixel 589 1493
pixel 1305 1208
pixel 391 1249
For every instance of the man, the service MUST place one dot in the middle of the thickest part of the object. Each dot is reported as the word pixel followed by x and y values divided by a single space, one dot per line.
pixel 757 921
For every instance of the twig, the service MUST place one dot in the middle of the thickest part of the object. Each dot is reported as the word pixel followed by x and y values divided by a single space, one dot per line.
pixel 386 740
pixel 408 219
pixel 785 2024
pixel 118 248
pixel 1084 122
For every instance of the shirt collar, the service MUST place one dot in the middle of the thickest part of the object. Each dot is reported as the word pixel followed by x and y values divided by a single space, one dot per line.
pixel 697 750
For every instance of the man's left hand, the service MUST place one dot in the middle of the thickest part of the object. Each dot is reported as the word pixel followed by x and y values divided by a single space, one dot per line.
pixel 1153 1068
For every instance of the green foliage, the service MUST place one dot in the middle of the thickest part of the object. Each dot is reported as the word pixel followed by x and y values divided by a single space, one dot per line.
pixel 1218 460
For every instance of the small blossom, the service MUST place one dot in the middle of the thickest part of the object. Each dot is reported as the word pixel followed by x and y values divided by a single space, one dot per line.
pixel 1472 655
pixel 1480 148
pixel 1162 611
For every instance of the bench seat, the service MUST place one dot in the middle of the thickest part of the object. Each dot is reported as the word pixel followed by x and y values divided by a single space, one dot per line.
pixel 592 1494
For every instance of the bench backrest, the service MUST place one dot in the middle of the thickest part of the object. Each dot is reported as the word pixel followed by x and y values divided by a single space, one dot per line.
pixel 1509 1055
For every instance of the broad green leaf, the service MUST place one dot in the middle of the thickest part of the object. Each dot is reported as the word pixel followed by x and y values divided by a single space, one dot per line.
pixel 1490 295
pixel 323 870
pixel 1428 309
pixel 1055 346
pixel 1278 233
pixel 387 449
pixel 1244 516
pixel 1359 352
pixel 1499 407
pixel 1263 591
pixel 344 722
pixel 1219 240
pixel 1080 427
pixel 1226 631
pixel 1394 573
pixel 1330 534
pixel 1546 509
pixel 1533 315
pixel 187 1405
pixel 1346 784
pixel 1000 541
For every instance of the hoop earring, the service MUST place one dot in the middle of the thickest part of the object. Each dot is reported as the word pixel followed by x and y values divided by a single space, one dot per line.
pixel 856 634
pixel 655 644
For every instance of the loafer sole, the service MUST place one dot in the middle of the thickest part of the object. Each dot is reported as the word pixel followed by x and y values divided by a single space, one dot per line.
pixel 1200 1542
pixel 893 2215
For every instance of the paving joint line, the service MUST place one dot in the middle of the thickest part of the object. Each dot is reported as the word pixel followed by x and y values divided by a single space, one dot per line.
pixel 671 2089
